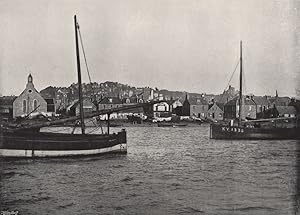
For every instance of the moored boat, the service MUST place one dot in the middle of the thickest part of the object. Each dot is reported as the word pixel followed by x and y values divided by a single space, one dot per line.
pixel 26 140
pixel 221 131
pixel 252 129
pixel 47 144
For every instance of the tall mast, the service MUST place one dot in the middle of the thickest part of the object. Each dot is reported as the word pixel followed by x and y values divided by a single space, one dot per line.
pixel 241 85
pixel 79 78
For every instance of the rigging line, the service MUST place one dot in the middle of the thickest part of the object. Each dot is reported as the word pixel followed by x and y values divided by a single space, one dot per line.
pixel 87 68
pixel 244 78
pixel 233 74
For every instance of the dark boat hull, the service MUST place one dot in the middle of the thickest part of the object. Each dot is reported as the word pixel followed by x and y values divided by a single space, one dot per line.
pixel 218 131
pixel 45 144
pixel 171 125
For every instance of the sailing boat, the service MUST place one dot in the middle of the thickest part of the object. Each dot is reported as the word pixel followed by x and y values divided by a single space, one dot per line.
pixel 251 129
pixel 26 140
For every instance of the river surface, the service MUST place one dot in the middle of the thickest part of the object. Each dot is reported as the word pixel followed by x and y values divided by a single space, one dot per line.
pixel 166 171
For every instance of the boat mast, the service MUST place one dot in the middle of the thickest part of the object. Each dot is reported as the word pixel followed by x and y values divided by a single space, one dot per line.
pixel 241 84
pixel 79 78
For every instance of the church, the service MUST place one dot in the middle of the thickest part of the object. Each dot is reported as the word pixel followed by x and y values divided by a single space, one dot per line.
pixel 29 101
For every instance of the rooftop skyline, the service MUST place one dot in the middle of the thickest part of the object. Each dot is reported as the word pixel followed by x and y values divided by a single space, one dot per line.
pixel 177 45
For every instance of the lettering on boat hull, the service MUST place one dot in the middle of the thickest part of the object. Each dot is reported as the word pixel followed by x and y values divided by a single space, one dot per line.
pixel 232 129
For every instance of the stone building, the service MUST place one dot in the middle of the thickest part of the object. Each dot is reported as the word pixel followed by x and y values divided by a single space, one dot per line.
pixel 74 108
pixel 198 107
pixel 215 111
pixel 262 104
pixel 29 100
pixel 6 107
pixel 110 102
pixel 195 107
pixel 231 108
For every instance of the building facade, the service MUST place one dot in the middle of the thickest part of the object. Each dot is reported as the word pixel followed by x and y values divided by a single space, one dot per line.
pixel 6 107
pixel 110 102
pixel 88 107
pixel 215 111
pixel 29 101
pixel 162 109
pixel 231 108
pixel 198 108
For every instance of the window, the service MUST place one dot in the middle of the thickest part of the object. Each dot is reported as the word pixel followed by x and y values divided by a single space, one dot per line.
pixel 24 106
pixel 35 105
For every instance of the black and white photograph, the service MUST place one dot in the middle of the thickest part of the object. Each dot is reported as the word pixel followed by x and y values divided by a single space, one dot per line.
pixel 156 107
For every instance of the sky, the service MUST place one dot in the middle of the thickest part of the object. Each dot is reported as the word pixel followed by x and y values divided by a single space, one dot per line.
pixel 190 45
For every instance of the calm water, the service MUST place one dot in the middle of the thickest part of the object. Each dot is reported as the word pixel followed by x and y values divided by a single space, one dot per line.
pixel 166 171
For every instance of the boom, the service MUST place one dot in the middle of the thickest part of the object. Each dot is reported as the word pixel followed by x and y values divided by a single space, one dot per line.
pixel 74 118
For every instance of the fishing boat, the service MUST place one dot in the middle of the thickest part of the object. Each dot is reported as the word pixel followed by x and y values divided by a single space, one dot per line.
pixel 253 129
pixel 27 140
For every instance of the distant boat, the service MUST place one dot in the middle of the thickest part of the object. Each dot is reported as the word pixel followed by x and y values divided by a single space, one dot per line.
pixel 26 140
pixel 252 129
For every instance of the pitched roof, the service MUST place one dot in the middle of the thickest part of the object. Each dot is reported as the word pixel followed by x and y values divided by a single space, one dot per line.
pixel 247 101
pixel 76 102
pixel 198 101
pixel 223 98
pixel 261 100
pixel 280 101
pixel 286 110
pixel 219 105
pixel 296 104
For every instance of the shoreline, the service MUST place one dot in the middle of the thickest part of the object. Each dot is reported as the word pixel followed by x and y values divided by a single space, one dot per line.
pixel 115 124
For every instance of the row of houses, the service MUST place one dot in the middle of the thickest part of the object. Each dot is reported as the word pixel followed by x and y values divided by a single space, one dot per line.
pixel 253 108
pixel 30 100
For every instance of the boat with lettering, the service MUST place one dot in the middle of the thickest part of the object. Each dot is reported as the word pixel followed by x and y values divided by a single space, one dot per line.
pixel 272 129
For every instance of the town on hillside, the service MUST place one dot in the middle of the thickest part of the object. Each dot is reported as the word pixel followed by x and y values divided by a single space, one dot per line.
pixel 53 101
